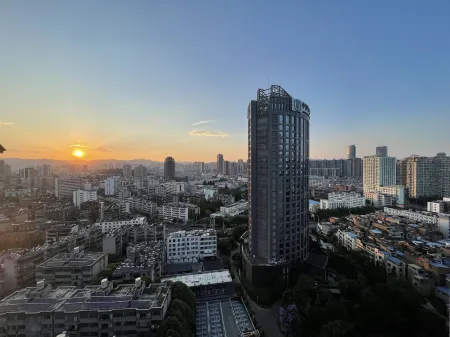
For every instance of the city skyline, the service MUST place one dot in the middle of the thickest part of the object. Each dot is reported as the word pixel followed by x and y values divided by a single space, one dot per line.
pixel 132 85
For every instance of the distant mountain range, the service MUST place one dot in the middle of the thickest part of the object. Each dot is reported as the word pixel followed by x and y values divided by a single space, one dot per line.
pixel 18 163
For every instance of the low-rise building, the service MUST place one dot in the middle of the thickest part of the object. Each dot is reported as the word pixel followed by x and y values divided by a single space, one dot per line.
pixel 347 239
pixel 192 246
pixel 114 241
pixel 72 269
pixel 206 284
pixel 174 211
pixel 143 259
pixel 143 205
pixel 129 309
pixel 343 200
pixel 234 209
pixel 110 225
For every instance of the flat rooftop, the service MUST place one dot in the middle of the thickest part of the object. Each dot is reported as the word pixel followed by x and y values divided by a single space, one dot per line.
pixel 222 318
pixel 203 278
pixel 66 260
pixel 72 299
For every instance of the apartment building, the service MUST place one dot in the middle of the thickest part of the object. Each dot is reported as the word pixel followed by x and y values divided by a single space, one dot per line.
pixel 234 209
pixel 347 240
pixel 442 221
pixel 110 225
pixel 112 185
pixel 143 259
pixel 174 211
pixel 127 310
pixel 143 205
pixel 64 187
pixel 420 177
pixel 343 200
pixel 115 240
pixel 80 196
pixel 192 246
pixel 77 268
pixel 379 199
pixel 378 171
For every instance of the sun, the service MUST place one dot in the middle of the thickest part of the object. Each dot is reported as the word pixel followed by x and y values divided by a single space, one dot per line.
pixel 78 153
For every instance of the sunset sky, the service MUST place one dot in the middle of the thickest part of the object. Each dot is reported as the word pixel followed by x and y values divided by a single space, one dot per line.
pixel 148 79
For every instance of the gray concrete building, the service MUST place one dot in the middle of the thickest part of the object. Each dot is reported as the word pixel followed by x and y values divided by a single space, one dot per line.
pixel 72 269
pixel 382 151
pixel 278 147
pixel 127 310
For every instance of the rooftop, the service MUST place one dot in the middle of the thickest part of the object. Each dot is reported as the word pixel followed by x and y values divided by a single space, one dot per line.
pixel 71 260
pixel 203 278
pixel 70 299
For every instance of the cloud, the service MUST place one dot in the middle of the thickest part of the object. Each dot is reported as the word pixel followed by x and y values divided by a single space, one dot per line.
pixel 208 133
pixel 102 149
pixel 85 147
pixel 204 122
pixel 79 146
pixel 6 123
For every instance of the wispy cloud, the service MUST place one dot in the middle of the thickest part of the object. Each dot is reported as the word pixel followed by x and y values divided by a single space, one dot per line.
pixel 102 149
pixel 204 122
pixel 85 147
pixel 208 133
pixel 6 123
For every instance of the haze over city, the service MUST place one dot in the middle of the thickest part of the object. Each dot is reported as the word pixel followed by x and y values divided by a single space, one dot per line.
pixel 121 80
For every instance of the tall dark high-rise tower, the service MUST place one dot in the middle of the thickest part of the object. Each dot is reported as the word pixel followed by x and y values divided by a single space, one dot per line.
pixel 351 152
pixel 382 151
pixel 220 163
pixel 169 168
pixel 278 150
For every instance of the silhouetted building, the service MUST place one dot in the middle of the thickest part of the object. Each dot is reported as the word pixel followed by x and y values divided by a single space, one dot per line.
pixel 169 168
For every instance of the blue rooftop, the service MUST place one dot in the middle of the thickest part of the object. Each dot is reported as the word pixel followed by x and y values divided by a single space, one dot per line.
pixel 414 225
pixel 351 234
pixel 313 202
pixel 444 290
pixel 399 253
pixel 394 260
pixel 438 265
pixel 376 231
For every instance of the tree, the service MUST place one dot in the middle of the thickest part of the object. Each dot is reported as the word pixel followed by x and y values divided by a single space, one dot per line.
pixel 237 232
pixel 336 328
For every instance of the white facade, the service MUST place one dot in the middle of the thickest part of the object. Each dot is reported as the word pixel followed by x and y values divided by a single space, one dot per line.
pixel 175 187
pixel 379 171
pixel 398 193
pixel 110 225
pixel 347 239
pixel 81 196
pixel 112 184
pixel 379 199
pixel 191 246
pixel 436 206
pixel 234 209
pixel 143 205
pixel 343 200
pixel 174 212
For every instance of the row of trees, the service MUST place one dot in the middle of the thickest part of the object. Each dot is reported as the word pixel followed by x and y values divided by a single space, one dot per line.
pixel 367 304
pixel 180 319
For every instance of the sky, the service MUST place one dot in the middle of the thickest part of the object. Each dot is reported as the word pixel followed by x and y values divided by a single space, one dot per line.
pixel 150 79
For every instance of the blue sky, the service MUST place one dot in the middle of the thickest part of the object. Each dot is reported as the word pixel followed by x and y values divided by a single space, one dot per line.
pixel 127 79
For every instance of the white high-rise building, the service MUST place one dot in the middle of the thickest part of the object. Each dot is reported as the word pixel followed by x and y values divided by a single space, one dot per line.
pixel 378 171
pixel 191 246
pixel 112 185
pixel 80 196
